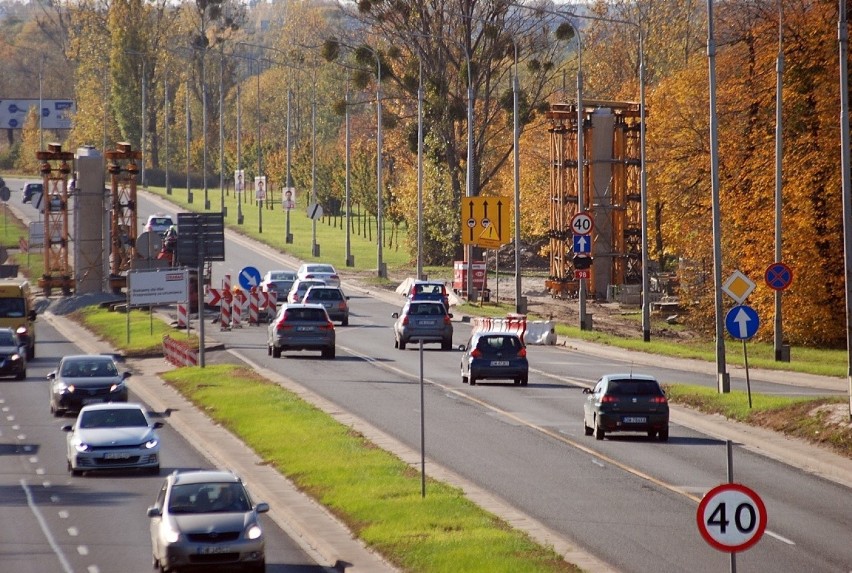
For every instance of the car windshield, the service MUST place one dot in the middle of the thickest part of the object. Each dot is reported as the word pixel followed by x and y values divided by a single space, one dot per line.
pixel 320 269
pixel 208 498
pixel 118 418
pixel 281 276
pixel 87 369
pixel 306 314
pixel 633 388
pixel 323 294
pixel 160 222
pixel 7 339
pixel 498 344
pixel 12 307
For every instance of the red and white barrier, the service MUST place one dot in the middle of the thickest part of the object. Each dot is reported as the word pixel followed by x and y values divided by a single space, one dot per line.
pixel 254 304
pixel 182 315
pixel 179 353
pixel 225 305
pixel 238 304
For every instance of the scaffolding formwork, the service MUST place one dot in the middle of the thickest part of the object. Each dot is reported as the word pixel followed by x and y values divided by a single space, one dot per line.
pixel 611 195
pixel 55 171
pixel 122 168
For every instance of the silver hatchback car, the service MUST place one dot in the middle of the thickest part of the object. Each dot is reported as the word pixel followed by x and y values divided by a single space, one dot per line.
pixel 425 320
pixel 206 519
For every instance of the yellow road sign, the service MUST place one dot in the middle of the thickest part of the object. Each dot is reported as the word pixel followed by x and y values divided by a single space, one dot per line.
pixel 485 221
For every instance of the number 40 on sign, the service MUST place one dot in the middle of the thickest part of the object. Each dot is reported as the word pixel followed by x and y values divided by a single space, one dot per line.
pixel 731 517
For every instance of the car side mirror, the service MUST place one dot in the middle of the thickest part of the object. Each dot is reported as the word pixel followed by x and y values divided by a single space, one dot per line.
pixel 67 428
pixel 51 375
pixel 395 315
pixel 158 425
pixel 450 314
pixel 126 375
pixel 32 316
pixel 154 511
pixel 588 391
pixel 262 507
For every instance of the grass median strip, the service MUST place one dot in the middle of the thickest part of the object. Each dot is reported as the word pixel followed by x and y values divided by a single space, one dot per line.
pixel 373 492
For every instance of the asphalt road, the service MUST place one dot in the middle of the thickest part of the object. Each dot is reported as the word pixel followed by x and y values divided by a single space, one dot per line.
pixel 628 501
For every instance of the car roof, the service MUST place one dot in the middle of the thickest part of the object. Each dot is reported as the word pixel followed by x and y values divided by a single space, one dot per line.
pixel 281 272
pixel 113 406
pixel 88 357
pixel 483 333
pixel 629 376
pixel 204 476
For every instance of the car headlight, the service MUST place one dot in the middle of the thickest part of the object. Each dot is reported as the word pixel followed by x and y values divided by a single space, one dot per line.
pixel 170 534
pixel 22 330
pixel 61 387
pixel 150 444
pixel 15 357
pixel 254 531
pixel 81 447
pixel 117 387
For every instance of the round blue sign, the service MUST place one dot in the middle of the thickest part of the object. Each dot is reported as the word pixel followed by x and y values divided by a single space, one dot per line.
pixel 13 122
pixel 249 277
pixel 13 108
pixel 742 322
pixel 778 276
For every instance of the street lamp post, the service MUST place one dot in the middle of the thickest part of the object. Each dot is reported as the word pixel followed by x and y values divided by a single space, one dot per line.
pixel 420 171
pixel 166 129
pixel 222 207
pixel 288 237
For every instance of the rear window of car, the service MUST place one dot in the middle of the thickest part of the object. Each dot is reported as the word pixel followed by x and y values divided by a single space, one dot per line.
pixel 498 344
pixel 634 388
pixel 160 221
pixel 426 309
pixel 324 294
pixel 306 314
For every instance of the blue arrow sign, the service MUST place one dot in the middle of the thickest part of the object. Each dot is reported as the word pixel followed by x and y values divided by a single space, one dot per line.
pixel 249 277
pixel 742 322
pixel 582 244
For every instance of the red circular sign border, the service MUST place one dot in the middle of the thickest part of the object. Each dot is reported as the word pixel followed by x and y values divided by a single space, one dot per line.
pixel 591 221
pixel 748 492
pixel 786 268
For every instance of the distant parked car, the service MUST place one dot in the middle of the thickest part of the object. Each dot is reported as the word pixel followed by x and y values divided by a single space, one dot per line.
pixel 332 298
pixel 85 379
pixel 626 403
pixel 319 271
pixel 113 436
pixel 495 355
pixel 425 320
pixel 301 327
pixel 31 189
pixel 279 281
pixel 206 519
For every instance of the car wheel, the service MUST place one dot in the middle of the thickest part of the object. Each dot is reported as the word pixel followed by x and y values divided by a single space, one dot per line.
pixel 447 344
pixel 345 322
pixel 31 352
pixel 652 433
pixel 525 380
pixel 21 375
pixel 472 380
pixel 664 434
pixel 599 431
pixel 395 343
pixel 154 471
pixel 401 344
pixel 464 379
pixel 586 429
pixel 258 567
pixel 328 352
pixel 269 350
pixel 276 352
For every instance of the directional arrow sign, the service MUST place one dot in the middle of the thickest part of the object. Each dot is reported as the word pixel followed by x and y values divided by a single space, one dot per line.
pixel 742 322
pixel 249 277
pixel 582 244
pixel 483 218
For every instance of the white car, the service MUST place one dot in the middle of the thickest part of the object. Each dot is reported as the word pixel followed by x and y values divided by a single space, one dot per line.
pixel 113 436
pixel 319 271
pixel 159 223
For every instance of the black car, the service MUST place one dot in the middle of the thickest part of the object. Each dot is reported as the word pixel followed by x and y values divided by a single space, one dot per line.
pixel 13 355
pixel 85 379
pixel 495 355
pixel 626 403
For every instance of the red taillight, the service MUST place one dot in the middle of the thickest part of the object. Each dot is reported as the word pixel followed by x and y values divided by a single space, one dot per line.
pixel 309 276
pixel 341 305
pixel 328 326
pixel 522 353
pixel 659 400
pixel 334 277
pixel 476 353
pixel 446 319
pixel 282 325
pixel 405 320
pixel 609 399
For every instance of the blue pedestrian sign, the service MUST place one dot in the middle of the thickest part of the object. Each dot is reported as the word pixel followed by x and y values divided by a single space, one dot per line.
pixel 249 277
pixel 742 322
pixel 582 244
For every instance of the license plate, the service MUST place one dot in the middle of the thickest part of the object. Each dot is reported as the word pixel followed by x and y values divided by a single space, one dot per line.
pixel 427 322
pixel 116 456
pixel 92 401
pixel 634 419
pixel 304 328
pixel 499 363
pixel 211 549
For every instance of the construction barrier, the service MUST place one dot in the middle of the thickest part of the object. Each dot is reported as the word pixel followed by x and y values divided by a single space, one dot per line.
pixel 225 305
pixel 179 353
pixel 182 316
pixel 531 332
pixel 254 305
pixel 239 302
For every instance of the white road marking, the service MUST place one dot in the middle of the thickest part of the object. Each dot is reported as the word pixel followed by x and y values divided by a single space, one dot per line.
pixel 73 531
pixel 52 542
pixel 598 463
pixel 40 471
pixel 93 569
pixel 63 514
pixel 82 550
pixel 780 538
pixel 34 460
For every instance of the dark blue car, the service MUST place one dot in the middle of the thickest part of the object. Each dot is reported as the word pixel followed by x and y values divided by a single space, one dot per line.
pixel 495 355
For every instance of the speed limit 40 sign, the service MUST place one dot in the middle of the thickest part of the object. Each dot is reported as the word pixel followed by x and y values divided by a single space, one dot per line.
pixel 582 224
pixel 731 517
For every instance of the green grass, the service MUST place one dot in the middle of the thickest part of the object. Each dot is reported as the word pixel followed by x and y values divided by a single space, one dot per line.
pixel 141 335
pixel 12 231
pixel 374 493
pixel 269 227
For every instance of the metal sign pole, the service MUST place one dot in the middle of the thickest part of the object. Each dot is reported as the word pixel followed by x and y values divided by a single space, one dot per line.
pixel 422 430
pixel 729 450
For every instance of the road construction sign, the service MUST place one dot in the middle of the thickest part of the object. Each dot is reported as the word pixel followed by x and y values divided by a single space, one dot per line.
pixel 485 221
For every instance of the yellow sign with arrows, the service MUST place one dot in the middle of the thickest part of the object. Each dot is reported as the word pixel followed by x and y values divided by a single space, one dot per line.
pixel 485 221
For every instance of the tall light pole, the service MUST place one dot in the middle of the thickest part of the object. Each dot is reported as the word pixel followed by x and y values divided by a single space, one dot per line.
pixel 349 259
pixel 288 237
pixel 166 129
pixel 843 43
pixel 778 334
pixel 222 207
pixel 420 170
pixel 144 110
pixel 379 219
pixel 723 381
pixel 204 127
